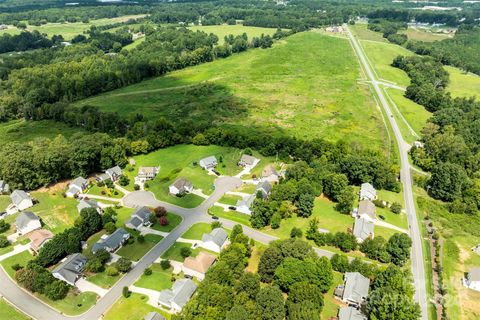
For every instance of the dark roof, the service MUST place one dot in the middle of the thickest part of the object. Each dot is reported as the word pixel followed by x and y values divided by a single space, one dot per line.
pixel 113 241
pixel 72 267
pixel 24 218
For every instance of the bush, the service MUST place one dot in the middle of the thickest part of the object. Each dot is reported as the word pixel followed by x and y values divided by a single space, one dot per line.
pixel 378 203
pixel 124 181
pixel 147 272
pixel 126 293
pixel 123 265
pixel 163 221
pixel 136 187
pixel 56 290
pixel 94 265
pixel 216 224
pixel 111 271
pixel 276 220
pixel 185 252
pixel 4 242
pixel 4 226
pixel 146 185
pixel 141 239
pixel 16 267
pixel 396 208
pixel 165 264
pixel 110 227
pixel 296 233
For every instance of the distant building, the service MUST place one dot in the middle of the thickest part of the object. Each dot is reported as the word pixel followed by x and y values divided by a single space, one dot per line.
pixel 354 290
pixel 71 268
pixel 208 163
pixel 112 174
pixel 363 229
pixel 111 242
pixel 216 240
pixel 139 219
pixel 265 188
pixel 476 249
pixel 20 201
pixel 199 265
pixel 248 161
pixel 77 186
pixel 472 280
pixel 38 238
pixel 177 298
pixel 180 186
pixel 154 316
pixel 368 192
pixel 367 210
pixel 27 222
pixel 147 173
pixel 350 313
pixel 4 187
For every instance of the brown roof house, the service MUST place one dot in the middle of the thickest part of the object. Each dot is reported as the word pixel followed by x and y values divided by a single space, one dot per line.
pixel 180 186
pixel 38 238
pixel 198 266
pixel 270 174
pixel 367 210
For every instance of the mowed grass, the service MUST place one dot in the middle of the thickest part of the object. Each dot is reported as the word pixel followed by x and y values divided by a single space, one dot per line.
pixel 103 280
pixel 424 35
pixel 134 307
pixel 363 33
pixel 463 84
pixel 159 279
pixel 197 230
pixel 239 217
pixel 225 30
pixel 9 312
pixel 69 30
pixel 24 131
pixel 331 305
pixel 306 85
pixel 137 250
pixel 173 221
pixel 22 259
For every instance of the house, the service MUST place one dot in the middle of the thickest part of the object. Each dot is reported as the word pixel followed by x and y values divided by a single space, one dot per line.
pixel 264 187
pixel 367 210
pixel 350 313
pixel 71 268
pixel 139 219
pixel 147 173
pixel 4 187
pixel 472 280
pixel 208 163
pixel 89 203
pixel 198 266
pixel 476 249
pixel 38 238
pixel 27 222
pixel 245 204
pixel 248 161
pixel 154 316
pixel 111 242
pixel 363 229
pixel 367 192
pixel 354 290
pixel 77 186
pixel 270 174
pixel 215 241
pixel 177 298
pixel 181 186
pixel 20 201
pixel 114 173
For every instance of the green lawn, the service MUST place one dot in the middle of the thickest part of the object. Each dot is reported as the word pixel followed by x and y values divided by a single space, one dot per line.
pixel 230 199
pixel 173 253
pixel 331 305
pixel 306 85
pixel 137 250
pixel 4 202
pixel 363 33
pixel 463 84
pixel 197 230
pixel 24 131
pixel 159 279
pixel 105 191
pixel 123 214
pixel 173 221
pixel 224 30
pixel 22 259
pixel 424 35
pixel 230 215
pixel 103 280
pixel 134 307
pixel 9 312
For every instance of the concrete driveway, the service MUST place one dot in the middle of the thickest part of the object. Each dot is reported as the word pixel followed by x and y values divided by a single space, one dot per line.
pixel 86 286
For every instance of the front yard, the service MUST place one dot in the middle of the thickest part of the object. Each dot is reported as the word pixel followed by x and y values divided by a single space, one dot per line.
pixel 197 230
pixel 173 221
pixel 134 307
pixel 137 250
pixel 103 280
pixel 10 313
pixel 159 279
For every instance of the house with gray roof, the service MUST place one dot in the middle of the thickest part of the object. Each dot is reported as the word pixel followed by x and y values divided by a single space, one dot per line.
pixel 248 161
pixel 4 187
pixel 265 188
pixel 472 279
pixel 77 186
pixel 176 298
pixel 270 174
pixel 27 222
pixel 354 290
pixel 154 316
pixel 208 163
pixel 111 242
pixel 476 249
pixel 245 204
pixel 363 229
pixel 367 192
pixel 71 268
pixel 350 313
pixel 89 203
pixel 114 173
pixel 216 240
pixel 367 210
pixel 180 186
pixel 20 201
pixel 139 219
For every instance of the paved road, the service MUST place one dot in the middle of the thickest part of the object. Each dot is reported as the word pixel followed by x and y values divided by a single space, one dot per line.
pixel 418 269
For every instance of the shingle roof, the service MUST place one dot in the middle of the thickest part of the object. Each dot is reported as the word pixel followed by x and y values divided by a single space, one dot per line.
pixel 24 218
pixel 363 228
pixel 367 191
pixel 139 217
pixel 87 203
pixel 248 159
pixel 201 263
pixel 246 201
pixel 265 186
pixel 367 207
pixel 154 316
pixel 114 170
pixel 217 236
pixel 38 237
pixel 350 313
pixel 79 182
pixel 148 170
pixel 209 161
pixel 182 291
pixel 356 287
pixel 268 171
pixel 474 274
pixel 113 241
pixel 18 196
pixel 72 267
pixel 182 184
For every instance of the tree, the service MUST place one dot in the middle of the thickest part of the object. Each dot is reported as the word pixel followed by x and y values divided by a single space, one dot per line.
pixel 237 313
pixel 236 230
pixel 396 208
pixel 125 292
pixel 334 184
pixel 163 221
pixel 123 265
pixel 4 242
pixel 94 265
pixel 123 181
pixel 447 181
pixel 56 290
pixel 303 311
pixel 4 226
pixel 345 241
pixel 305 205
pixel 248 283
pixel 296 233
pixel 276 220
pixel 165 264
pixel 111 271
pixel 345 200
pixel 110 227
pixel 185 252
pixel 339 262
pixel 397 279
pixel 398 246
pixel 215 225
pixel 305 291
pixel 269 261
pixel 160 211
pixel 375 249
pixel 147 271
pixel 387 304
pixel 270 303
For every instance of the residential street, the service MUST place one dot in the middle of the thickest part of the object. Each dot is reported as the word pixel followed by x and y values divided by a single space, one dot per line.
pixel 418 268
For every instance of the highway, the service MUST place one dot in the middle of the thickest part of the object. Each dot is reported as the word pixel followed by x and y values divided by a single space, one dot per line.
pixel 418 268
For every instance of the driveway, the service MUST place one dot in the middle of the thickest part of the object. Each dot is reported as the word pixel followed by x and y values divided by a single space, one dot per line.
pixel 86 286
pixel 16 250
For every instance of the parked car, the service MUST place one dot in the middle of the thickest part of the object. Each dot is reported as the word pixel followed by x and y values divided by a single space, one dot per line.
pixel 381 217
pixel 232 208
pixel 214 217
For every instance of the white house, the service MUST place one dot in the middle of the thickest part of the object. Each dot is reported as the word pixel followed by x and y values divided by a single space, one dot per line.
pixel 215 241
pixel 181 185
pixel 199 265
pixel 363 229
pixel 367 210
pixel 77 186
pixel 354 290
pixel 89 203
pixel 472 280
pixel 208 163
pixel 4 187
pixel 177 298
pixel 245 204
pixel 71 268
pixel 27 222
pixel 368 192
pixel 350 313
pixel 20 201
pixel 147 173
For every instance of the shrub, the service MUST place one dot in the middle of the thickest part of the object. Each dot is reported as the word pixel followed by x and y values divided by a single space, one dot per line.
pixel 165 264
pixel 396 208
pixel 124 181
pixel 4 242
pixel 147 272
pixel 136 187
pixel 16 267
pixel 146 185
pixel 126 293
pixel 4 226
pixel 141 239
pixel 111 271
pixel 110 227
pixel 216 224
pixel 56 290
pixel 185 252
pixel 296 233
pixel 163 221
pixel 276 220
pixel 94 265
pixel 123 265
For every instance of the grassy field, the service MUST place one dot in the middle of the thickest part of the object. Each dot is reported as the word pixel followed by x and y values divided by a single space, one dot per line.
pixel 69 30
pixel 173 221
pixel 73 304
pixel 159 279
pixel 4 202
pixel 463 84
pixel 225 30
pixel 230 215
pixel 137 250
pixel 174 252
pixel 306 85
pixel 134 307
pixel 229 199
pixel 424 35
pixel 361 30
pixel 196 231
pixel 105 191
pixel 10 313
pixel 103 280
pixel 24 131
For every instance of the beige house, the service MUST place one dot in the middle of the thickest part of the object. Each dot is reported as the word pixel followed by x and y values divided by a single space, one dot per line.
pixel 38 238
pixel 198 266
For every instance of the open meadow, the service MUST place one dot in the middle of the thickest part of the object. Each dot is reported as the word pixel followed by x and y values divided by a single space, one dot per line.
pixel 424 35
pixel 306 85
pixel 225 30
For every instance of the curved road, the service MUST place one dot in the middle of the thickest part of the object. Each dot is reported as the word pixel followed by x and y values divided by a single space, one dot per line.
pixel 418 269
